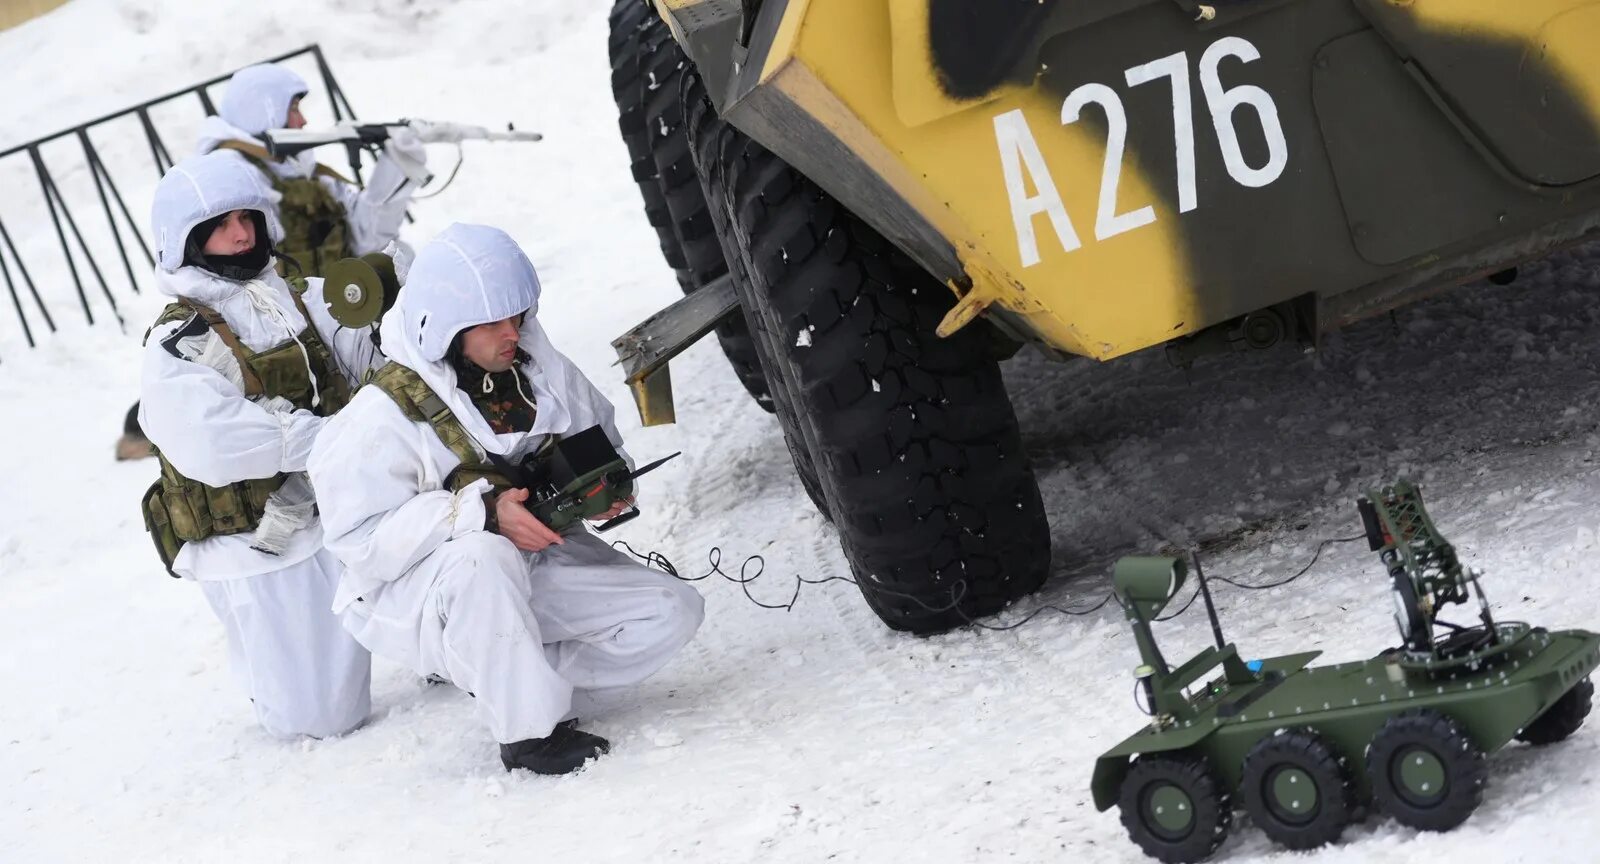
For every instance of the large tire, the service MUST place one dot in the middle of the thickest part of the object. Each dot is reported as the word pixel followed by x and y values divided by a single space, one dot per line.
pixel 628 20
pixel 1295 789
pixel 913 440
pixel 1563 718
pixel 1425 770
pixel 1175 808
pixel 647 68
pixel 702 125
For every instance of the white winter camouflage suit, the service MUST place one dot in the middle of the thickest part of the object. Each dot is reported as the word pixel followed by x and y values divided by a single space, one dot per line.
pixel 304 673
pixel 425 584
pixel 258 99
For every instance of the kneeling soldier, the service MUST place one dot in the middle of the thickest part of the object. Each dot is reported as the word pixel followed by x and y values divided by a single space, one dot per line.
pixel 448 571
pixel 240 374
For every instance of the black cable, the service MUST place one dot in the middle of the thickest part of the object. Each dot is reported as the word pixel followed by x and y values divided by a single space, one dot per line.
pixel 1192 597
pixel 958 592
pixel 1047 607
pixel 743 580
pixel 1303 570
pixel 1318 554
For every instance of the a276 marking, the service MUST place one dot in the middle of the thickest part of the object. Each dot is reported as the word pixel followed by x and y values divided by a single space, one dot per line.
pixel 1021 161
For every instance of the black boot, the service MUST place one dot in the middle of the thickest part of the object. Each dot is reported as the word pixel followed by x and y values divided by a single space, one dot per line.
pixel 563 751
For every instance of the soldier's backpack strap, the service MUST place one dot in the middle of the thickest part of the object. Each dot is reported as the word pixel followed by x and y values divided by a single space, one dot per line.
pixel 252 384
pixel 339 385
pixel 297 288
pixel 185 308
pixel 259 155
pixel 174 313
pixel 420 404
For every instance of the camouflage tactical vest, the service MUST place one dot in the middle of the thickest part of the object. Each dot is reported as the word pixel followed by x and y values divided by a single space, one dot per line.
pixel 179 510
pixel 420 404
pixel 315 232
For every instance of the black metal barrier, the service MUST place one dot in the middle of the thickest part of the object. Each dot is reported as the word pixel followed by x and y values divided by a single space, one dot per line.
pixel 127 235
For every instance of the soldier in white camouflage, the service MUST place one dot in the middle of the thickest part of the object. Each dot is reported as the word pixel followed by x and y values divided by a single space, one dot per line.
pixel 241 372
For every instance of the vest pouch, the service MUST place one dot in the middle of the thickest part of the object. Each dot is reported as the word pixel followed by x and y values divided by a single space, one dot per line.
pixel 188 512
pixel 228 510
pixel 313 224
pixel 158 522
pixel 335 392
pixel 282 372
pixel 237 507
pixel 197 511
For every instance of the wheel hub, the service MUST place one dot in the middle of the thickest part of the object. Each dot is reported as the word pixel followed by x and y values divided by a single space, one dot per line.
pixel 1292 795
pixel 1169 811
pixel 1419 776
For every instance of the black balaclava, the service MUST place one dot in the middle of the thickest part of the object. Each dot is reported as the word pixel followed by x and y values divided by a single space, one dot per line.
pixel 501 397
pixel 469 375
pixel 238 268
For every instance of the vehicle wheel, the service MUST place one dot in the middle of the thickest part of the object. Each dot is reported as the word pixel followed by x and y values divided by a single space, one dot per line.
pixel 703 126
pixel 647 68
pixel 914 442
pixel 1561 719
pixel 1425 771
pixel 628 18
pixel 1295 788
pixel 1175 808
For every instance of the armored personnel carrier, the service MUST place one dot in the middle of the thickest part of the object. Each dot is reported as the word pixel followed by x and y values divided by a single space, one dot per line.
pixel 878 200
pixel 1301 748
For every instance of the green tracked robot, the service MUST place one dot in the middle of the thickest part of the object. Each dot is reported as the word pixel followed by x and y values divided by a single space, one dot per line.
pixel 1300 749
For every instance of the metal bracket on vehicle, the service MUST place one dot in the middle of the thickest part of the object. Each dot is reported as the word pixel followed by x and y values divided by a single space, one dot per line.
pixel 962 314
pixel 643 352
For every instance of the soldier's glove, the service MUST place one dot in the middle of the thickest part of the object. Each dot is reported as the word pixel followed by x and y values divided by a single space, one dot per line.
pixel 289 509
pixel 275 404
pixel 401 170
pixel 407 145
pixel 401 253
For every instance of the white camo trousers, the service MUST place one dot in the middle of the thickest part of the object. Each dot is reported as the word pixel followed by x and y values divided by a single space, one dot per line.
pixel 521 631
pixel 303 672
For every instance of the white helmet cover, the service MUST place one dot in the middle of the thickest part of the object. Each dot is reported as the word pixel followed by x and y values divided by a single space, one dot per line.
pixel 203 187
pixel 258 97
pixel 466 276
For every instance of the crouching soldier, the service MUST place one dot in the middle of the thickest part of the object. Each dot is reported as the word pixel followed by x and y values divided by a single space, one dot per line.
pixel 447 570
pixel 240 374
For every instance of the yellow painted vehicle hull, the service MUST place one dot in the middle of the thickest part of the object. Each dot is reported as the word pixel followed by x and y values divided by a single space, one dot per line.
pixel 1106 177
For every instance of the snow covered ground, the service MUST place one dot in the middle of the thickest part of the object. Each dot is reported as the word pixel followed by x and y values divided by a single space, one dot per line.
pixel 804 736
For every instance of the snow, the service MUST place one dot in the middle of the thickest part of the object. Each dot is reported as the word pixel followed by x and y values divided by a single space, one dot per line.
pixel 806 735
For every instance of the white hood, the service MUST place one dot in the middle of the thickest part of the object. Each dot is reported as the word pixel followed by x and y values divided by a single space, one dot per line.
pixel 199 188
pixel 466 276
pixel 259 96
pixel 471 275
pixel 261 312
pixel 214 130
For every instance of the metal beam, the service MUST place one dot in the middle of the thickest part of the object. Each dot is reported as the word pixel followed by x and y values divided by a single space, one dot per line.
pixel 644 351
